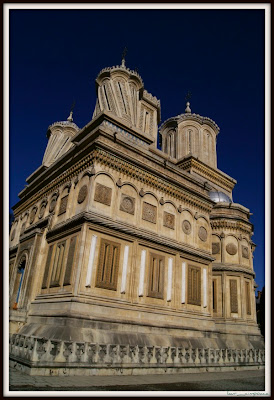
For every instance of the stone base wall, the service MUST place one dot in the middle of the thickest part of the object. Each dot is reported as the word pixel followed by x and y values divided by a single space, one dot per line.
pixel 41 356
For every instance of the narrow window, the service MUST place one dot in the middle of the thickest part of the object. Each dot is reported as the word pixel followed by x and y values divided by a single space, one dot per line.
pixel 104 88
pixel 214 295
pixel 247 294
pixel 108 265
pixel 233 296
pixel 190 141
pixel 18 282
pixel 146 124
pixel 194 285
pixel 122 97
pixel 57 264
pixel 156 277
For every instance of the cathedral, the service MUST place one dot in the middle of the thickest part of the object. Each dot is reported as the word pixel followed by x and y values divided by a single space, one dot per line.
pixel 129 259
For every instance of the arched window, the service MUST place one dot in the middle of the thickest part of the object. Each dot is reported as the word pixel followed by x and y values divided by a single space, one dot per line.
pixel 18 281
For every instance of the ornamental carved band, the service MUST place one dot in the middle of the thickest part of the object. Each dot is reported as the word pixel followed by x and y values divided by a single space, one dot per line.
pixel 216 248
pixel 245 252
pixel 149 212
pixel 231 248
pixel 233 296
pixel 82 194
pixel 202 234
pixel 186 226
pixel 103 194
pixel 127 204
pixel 169 220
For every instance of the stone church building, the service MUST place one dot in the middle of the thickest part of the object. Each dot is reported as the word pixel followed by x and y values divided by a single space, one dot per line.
pixel 125 258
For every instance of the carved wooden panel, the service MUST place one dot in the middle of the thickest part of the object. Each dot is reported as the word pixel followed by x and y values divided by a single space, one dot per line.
pixel 82 194
pixel 216 248
pixel 127 204
pixel 103 194
pixel 245 252
pixel 108 265
pixel 202 234
pixel 169 220
pixel 233 296
pixel 70 261
pixel 63 205
pixel 156 276
pixel 194 285
pixel 247 296
pixel 46 273
pixel 186 226
pixel 149 212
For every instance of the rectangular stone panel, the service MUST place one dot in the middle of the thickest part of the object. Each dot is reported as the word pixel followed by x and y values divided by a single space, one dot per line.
pixel 108 265
pixel 102 194
pixel 247 294
pixel 169 220
pixel 233 296
pixel 156 276
pixel 149 212
pixel 63 205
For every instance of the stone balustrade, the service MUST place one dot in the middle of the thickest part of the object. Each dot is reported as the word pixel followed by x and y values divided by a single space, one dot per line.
pixel 50 352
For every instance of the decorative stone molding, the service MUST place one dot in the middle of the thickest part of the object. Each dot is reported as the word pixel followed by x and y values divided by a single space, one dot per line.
pixel 231 249
pixel 42 208
pixel 33 214
pixel 37 351
pixel 231 225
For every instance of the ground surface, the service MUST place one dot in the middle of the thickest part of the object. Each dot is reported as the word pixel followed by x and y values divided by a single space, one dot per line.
pixel 208 381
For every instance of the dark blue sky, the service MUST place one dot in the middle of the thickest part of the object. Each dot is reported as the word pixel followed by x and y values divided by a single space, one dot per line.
pixel 55 56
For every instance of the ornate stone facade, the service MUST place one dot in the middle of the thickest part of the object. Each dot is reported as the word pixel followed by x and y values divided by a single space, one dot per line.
pixel 131 257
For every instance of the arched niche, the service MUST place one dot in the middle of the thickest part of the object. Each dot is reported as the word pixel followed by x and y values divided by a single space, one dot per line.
pixel 104 193
pixel 216 248
pixel 231 249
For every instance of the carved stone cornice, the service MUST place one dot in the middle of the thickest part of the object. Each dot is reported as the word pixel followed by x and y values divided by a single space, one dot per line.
pixel 100 220
pixel 215 176
pixel 133 171
pixel 233 224
pixel 232 268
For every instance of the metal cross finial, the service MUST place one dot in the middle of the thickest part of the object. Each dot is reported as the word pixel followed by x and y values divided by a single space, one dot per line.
pixel 71 112
pixel 124 57
pixel 188 96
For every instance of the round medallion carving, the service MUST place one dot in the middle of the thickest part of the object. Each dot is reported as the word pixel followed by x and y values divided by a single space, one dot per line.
pixel 186 227
pixel 82 194
pixel 52 204
pixel 215 248
pixel 231 248
pixel 127 204
pixel 32 215
pixel 202 233
pixel 42 210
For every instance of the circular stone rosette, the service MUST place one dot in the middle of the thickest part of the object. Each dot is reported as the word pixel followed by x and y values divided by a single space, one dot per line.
pixel 127 204
pixel 231 248
pixel 202 234
pixel 186 226
pixel 82 194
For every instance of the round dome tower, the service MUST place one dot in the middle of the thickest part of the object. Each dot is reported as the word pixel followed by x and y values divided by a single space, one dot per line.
pixel 59 134
pixel 120 92
pixel 190 134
